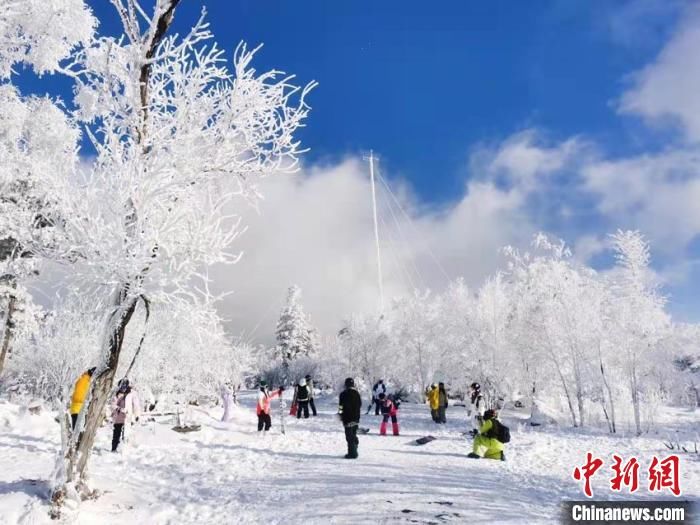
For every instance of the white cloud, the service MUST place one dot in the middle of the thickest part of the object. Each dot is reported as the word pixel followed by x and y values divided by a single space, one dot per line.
pixel 655 193
pixel 315 229
pixel 667 89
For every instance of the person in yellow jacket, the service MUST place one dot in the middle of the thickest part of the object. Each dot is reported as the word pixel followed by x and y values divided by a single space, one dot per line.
pixel 486 446
pixel 80 391
pixel 434 401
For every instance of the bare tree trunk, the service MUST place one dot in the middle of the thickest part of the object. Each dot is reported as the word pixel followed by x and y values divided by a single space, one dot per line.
pixel 635 401
pixel 579 393
pixel 606 384
pixel 568 395
pixel 9 330
pixel 80 448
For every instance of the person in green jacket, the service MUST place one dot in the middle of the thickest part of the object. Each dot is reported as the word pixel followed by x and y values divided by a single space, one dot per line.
pixel 485 444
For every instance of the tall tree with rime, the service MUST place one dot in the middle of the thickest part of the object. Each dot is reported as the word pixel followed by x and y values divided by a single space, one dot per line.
pixel 295 335
pixel 180 140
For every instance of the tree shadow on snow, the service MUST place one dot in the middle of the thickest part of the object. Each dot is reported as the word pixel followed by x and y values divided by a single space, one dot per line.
pixel 38 488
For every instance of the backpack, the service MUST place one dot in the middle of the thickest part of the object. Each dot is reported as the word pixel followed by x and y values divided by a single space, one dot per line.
pixel 499 432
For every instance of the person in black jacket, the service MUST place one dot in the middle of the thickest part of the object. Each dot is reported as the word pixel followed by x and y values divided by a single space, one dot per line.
pixel 349 407
pixel 443 403
pixel 302 397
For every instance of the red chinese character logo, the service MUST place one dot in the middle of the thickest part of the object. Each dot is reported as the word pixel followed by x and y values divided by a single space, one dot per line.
pixel 627 475
pixel 589 469
pixel 665 474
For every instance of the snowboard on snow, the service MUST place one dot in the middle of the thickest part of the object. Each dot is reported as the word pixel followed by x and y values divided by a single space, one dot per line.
pixel 187 428
pixel 423 440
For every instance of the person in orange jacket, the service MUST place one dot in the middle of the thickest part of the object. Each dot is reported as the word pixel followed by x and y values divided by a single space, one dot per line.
pixel 80 391
pixel 263 406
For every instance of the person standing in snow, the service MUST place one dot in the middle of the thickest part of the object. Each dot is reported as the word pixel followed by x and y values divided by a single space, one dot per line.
pixel 80 391
pixel 476 407
pixel 263 406
pixel 390 409
pixel 310 384
pixel 227 398
pixel 349 406
pixel 378 388
pixel 486 445
pixel 120 413
pixel 433 396
pixel 442 404
pixel 302 397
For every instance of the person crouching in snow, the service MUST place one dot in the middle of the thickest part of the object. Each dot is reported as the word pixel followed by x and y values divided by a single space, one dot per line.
pixel 389 409
pixel 485 443
pixel 263 406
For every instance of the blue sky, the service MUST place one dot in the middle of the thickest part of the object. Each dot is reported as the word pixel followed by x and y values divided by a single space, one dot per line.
pixel 422 85
pixel 574 117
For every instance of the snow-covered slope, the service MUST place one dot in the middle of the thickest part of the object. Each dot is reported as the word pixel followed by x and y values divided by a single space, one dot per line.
pixel 228 473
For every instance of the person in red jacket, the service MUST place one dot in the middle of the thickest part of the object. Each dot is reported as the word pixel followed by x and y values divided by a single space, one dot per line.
pixel 389 409
pixel 263 406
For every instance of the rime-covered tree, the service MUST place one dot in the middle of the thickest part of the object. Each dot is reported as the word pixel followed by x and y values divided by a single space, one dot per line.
pixel 35 140
pixel 180 141
pixel 294 334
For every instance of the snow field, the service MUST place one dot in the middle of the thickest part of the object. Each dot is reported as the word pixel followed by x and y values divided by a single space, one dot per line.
pixel 228 473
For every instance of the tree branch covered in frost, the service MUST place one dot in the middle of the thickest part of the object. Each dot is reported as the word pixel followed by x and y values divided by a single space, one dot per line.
pixel 41 33
pixel 157 205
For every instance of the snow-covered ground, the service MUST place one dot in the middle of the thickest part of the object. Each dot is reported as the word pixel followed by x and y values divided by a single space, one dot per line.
pixel 228 473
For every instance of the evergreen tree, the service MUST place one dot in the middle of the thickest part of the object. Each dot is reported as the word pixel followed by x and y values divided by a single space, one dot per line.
pixel 295 336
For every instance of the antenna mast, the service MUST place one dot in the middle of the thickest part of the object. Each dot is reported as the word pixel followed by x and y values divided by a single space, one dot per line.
pixel 376 231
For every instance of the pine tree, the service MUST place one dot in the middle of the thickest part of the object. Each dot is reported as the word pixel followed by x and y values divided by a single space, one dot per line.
pixel 295 336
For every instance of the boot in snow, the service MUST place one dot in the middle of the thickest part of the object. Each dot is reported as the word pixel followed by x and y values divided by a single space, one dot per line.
pixel 382 428
pixel 395 428
pixel 473 456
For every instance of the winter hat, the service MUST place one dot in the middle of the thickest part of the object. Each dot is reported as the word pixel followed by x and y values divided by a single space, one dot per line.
pixel 123 385
pixel 349 382
pixel 263 383
pixel 382 395
pixel 476 386
pixel 307 377
pixel 302 382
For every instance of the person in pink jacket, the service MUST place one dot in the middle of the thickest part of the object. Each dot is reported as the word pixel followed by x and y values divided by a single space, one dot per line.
pixel 120 412
pixel 389 409
pixel 263 406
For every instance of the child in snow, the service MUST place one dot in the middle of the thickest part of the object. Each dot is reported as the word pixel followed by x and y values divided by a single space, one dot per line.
pixel 302 398
pixel 434 401
pixel 349 406
pixel 442 403
pixel 263 406
pixel 476 407
pixel 389 409
pixel 485 443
